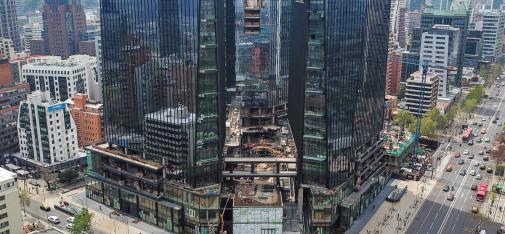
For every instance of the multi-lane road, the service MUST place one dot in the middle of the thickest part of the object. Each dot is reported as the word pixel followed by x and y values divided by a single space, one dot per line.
pixel 438 214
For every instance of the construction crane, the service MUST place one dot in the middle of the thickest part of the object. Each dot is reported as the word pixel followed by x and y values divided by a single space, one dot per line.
pixel 425 67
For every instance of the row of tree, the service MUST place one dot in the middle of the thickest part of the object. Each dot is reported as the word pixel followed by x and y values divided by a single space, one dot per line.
pixel 490 72
pixel 473 98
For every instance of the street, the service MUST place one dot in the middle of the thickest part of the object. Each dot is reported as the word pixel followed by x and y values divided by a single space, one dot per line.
pixel 438 214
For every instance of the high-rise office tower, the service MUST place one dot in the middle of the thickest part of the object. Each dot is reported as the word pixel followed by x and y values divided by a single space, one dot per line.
pixel 340 142
pixel 163 94
pixel 492 35
pixel 440 47
pixel 457 17
pixel 9 23
pixel 64 27
pixel 441 4
pixel 12 95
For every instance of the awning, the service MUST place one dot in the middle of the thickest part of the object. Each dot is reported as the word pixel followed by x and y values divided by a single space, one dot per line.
pixel 12 167
pixel 22 172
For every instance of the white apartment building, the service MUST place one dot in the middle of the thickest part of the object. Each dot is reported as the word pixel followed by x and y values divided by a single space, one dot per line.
pixel 6 48
pixel 416 89
pixel 439 49
pixel 98 52
pixel 493 23
pixel 46 130
pixel 11 220
pixel 63 78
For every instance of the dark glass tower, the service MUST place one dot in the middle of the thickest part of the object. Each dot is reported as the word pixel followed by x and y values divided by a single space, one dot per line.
pixel 163 91
pixel 344 81
pixel 159 55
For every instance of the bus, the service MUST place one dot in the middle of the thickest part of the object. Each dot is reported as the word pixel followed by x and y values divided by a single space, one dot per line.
pixel 467 134
pixel 481 194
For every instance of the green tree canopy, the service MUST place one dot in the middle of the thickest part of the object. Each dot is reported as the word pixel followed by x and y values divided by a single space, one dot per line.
pixel 24 198
pixel 82 222
pixel 404 118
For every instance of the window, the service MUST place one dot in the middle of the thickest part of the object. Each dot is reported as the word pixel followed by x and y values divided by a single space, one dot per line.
pixel 268 231
pixel 4 215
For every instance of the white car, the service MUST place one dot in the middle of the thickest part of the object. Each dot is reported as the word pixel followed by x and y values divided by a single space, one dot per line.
pixel 476 164
pixel 53 219
pixel 472 172
pixel 483 119
pixel 479 177
pixel 466 152
pixel 70 219
pixel 487 140
pixel 69 225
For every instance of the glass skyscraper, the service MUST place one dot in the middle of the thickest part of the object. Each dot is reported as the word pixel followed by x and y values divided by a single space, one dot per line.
pixel 163 91
pixel 343 83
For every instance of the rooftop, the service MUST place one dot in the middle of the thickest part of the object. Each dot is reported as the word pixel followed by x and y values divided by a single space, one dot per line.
pixel 257 195
pixel 6 174
pixel 56 61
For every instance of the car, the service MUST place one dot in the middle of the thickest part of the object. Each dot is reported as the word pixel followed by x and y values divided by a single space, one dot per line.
pixel 474 187
pixel 471 156
pixel 480 124
pixel 466 152
pixel 488 151
pixel 482 167
pixel 446 188
pixel 449 168
pixel 470 142
pixel 475 209
pixel 479 140
pixel 45 207
pixel 475 123
pixel 483 131
pixel 478 177
pixel 487 139
pixel 457 154
pixel 472 172
pixel 481 152
pixel 483 119
pixel 475 134
pixel 70 219
pixel 494 120
pixel 53 219
pixel 499 124
pixel 461 161
pixel 489 170
pixel 476 164
pixel 485 158
pixel 69 225
pixel 450 196
pixel 462 172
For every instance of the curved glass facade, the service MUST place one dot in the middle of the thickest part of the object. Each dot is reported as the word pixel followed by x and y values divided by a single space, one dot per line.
pixel 344 86
pixel 160 55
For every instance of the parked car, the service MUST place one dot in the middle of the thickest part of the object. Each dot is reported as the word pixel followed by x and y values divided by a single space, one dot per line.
pixel 476 164
pixel 478 177
pixel 448 168
pixel 69 225
pixel 485 158
pixel 446 188
pixel 479 140
pixel 489 170
pixel 457 154
pixel 470 142
pixel 70 219
pixel 487 139
pixel 471 156
pixel 483 131
pixel 472 172
pixel 53 219
pixel 461 161
pixel 481 152
pixel 474 187
pixel 462 172
pixel 482 167
pixel 45 207
pixel 466 152
pixel 450 196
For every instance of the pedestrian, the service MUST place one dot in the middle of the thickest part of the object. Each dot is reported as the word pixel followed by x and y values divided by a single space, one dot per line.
pixel 373 207
pixel 100 207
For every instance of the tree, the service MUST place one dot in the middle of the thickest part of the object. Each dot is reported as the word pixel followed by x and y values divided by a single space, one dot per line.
pixel 469 105
pixel 404 118
pixel 82 222
pixel 47 176
pixel 403 90
pixel 24 198
pixel 428 127
pixel 68 175
pixel 453 112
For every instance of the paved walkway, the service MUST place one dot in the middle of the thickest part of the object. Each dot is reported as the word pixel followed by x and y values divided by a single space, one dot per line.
pixel 395 217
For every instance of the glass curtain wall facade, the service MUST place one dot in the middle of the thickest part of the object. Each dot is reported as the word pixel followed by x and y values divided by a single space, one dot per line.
pixel 344 85
pixel 262 38
pixel 160 54
pixel 345 65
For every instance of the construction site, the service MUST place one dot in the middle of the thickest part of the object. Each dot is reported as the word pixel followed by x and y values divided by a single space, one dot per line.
pixel 259 170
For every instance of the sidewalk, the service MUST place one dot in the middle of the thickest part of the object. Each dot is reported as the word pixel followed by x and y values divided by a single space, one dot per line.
pixel 102 223
pixel 392 217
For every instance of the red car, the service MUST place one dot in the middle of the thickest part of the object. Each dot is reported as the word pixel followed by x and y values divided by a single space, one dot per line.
pixel 457 154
